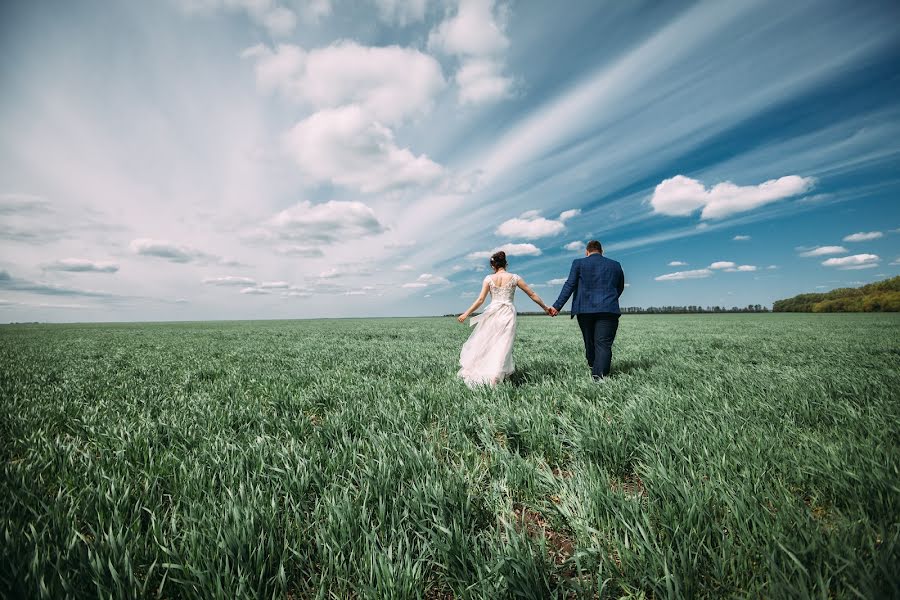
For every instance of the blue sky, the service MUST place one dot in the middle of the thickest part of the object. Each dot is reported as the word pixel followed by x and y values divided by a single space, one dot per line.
pixel 220 159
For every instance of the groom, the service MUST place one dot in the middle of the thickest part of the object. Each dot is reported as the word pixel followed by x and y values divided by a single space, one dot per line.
pixel 597 283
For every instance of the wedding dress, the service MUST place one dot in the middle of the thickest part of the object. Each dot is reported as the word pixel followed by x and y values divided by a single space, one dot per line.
pixel 486 357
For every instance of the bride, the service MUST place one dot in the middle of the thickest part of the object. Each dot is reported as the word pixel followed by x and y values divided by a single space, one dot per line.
pixel 486 357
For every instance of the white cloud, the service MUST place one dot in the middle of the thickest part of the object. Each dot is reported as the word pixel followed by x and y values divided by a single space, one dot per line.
pixel 178 253
pixel 678 275
pixel 824 250
pixel 677 263
pixel 530 225
pixel 389 84
pixel 722 264
pixel 681 196
pixel 772 267
pixel 473 31
pixel 895 262
pixel 863 236
pixel 274 285
pixel 18 204
pixel 746 268
pixel 481 81
pixel 310 223
pixel 345 147
pixel 229 280
pixel 510 249
pixel 574 246
pixel 403 268
pixel 740 238
pixel 254 290
pixel 569 214
pixel 81 265
pixel 476 35
pixel 855 261
pixel 299 250
pixel 559 281
pixel 401 12
pixel 425 280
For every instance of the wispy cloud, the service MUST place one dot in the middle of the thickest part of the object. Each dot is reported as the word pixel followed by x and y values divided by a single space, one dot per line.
pixel 824 251
pixel 177 253
pixel 81 265
pixel 863 236
pixel 679 275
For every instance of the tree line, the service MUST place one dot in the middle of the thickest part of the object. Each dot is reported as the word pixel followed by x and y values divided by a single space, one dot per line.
pixel 881 296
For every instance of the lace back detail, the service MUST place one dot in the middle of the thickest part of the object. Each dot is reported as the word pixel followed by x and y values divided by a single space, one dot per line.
pixel 503 293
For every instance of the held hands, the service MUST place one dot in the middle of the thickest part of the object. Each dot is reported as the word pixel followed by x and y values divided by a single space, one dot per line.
pixel 462 318
pixel 552 311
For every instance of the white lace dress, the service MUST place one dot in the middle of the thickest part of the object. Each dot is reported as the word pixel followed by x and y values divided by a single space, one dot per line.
pixel 486 357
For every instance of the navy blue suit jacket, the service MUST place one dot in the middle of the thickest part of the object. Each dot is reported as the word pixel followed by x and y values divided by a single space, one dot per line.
pixel 597 283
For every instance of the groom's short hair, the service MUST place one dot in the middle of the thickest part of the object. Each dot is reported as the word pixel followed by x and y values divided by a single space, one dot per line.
pixel 594 246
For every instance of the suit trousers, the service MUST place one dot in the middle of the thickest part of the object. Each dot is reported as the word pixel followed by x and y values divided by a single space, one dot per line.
pixel 599 333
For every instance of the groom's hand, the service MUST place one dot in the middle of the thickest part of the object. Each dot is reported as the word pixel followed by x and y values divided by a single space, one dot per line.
pixel 552 311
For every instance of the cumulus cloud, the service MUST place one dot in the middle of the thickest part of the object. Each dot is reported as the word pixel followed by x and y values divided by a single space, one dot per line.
pixel 682 196
pixel 722 264
pixel 229 280
pixel 177 253
pixel 559 281
pixel 853 262
pixel 476 35
pixel 389 84
pixel 824 251
pixel 530 225
pixel 863 236
pixel 425 280
pixel 740 238
pixel 678 275
pixel 345 147
pixel 574 246
pixel 81 265
pixel 510 249
pixel 322 223
pixel 677 263
pixel 481 81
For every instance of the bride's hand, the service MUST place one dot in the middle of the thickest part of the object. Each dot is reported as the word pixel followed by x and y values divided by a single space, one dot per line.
pixel 462 318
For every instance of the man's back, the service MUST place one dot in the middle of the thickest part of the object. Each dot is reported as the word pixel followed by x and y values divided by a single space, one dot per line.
pixel 596 282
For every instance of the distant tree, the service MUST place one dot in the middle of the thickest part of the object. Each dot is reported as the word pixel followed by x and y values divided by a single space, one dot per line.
pixel 881 296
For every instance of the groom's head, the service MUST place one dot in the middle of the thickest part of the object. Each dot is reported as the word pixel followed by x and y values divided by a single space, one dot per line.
pixel 593 247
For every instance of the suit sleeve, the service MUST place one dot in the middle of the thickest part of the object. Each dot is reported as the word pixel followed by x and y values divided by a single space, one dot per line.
pixel 620 284
pixel 568 287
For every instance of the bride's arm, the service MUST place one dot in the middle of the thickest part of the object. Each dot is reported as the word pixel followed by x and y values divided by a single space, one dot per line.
pixel 478 302
pixel 533 295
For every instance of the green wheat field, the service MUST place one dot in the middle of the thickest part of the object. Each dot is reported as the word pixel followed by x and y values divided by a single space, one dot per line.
pixel 737 456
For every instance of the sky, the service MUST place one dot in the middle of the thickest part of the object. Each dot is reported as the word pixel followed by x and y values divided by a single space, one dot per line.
pixel 270 159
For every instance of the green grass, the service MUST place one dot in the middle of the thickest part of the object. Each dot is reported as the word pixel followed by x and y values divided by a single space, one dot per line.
pixel 729 456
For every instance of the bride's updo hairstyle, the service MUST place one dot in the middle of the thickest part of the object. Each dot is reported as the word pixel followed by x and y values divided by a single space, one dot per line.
pixel 498 260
